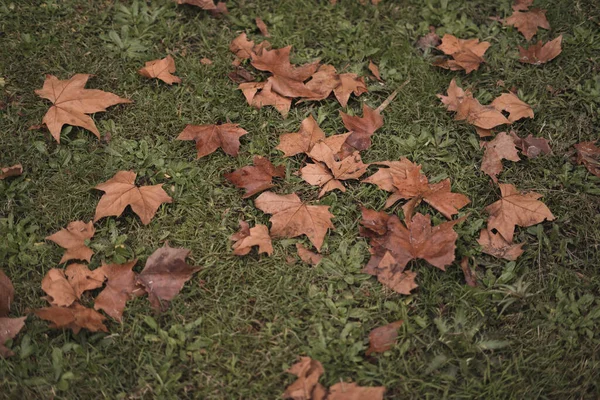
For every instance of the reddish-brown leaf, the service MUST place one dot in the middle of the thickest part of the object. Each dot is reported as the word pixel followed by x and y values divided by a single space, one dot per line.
pixel 516 108
pixel 351 391
pixel 516 209
pixel 120 287
pixel 455 96
pixel 242 47
pixel 531 146
pixel 528 22
pixel 66 287
pixel 7 295
pixel 162 69
pixel 73 240
pixel 247 237
pixel 255 179
pixel 277 61
pixel 495 245
pixel 71 103
pixel 383 338
pixel 265 97
pixel 9 328
pixel 75 317
pixel 541 53
pixel 241 75
pixel 209 5
pixel 210 137
pixel 361 129
pixel 291 217
pixel 307 137
pixel 308 256
pixel 165 274
pixel 467 54
pixel 205 61
pixel 262 27
pixel 588 154
pixel 375 71
pixel 121 191
pixel 308 372
pixel 501 148
pixel 349 83
pixel 468 272
pixel 8 172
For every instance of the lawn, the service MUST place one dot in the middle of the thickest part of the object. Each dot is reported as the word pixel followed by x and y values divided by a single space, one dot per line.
pixel 531 329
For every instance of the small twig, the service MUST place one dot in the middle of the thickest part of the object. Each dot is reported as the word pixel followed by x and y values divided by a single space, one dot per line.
pixel 391 97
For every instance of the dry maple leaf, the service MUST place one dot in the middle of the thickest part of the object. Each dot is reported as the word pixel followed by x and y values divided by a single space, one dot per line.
pixel 361 129
pixel 351 391
pixel 349 83
pixel 291 217
pixel 375 71
pixel 308 372
pixel 515 107
pixel 470 275
pixel 240 75
pixel 8 172
pixel 456 95
pixel 165 274
pixel 528 22
pixel 383 338
pixel 516 209
pixel 277 61
pixel 242 47
pixel 65 287
pixel 75 317
pixel 588 154
pixel 209 5
pixel 391 275
pixel 9 328
pixel 205 61
pixel 531 146
pixel 73 240
pixel 260 94
pixel 307 137
pixel 162 69
pixel 210 137
pixel 7 294
pixel 467 54
pixel 248 237
pixel 262 27
pixel 327 80
pixel 255 179
pixel 502 147
pixel 120 287
pixel 121 191
pixel 495 245
pixel 308 256
pixel 71 103
pixel 541 53
pixel 522 5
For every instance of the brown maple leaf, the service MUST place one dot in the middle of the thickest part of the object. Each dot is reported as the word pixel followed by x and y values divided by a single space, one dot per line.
pixel 396 278
pixel 351 391
pixel 242 47
pixel 326 80
pixel 120 287
pixel 328 173
pixel 528 22
pixel 467 54
pixel 375 71
pixel 361 129
pixel 406 181
pixel 241 75
pixel 71 103
pixel 255 179
pixel 248 237
pixel 7 295
pixel 165 274
pixel 9 328
pixel 307 137
pixel 66 287
pixel 8 172
pixel 308 372
pixel 516 209
pixel 308 256
pixel 162 69
pixel 73 240
pixel 588 154
pixel 540 52
pixel 75 317
pixel 209 5
pixel 456 95
pixel 121 191
pixel 277 61
pixel 291 217
pixel 262 27
pixel 383 338
pixel 260 94
pixel 210 137
pixel 468 272
pixel 531 146
pixel 495 245
pixel 502 147
pixel 349 83
pixel 516 108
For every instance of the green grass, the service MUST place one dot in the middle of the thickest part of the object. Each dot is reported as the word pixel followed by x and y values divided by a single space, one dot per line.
pixel 531 330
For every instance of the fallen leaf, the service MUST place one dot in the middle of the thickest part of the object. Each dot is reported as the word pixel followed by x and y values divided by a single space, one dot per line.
pixel 266 97
pixel 516 209
pixel 467 54
pixel 165 274
pixel 429 40
pixel 516 108
pixel 120 287
pixel 502 147
pixel 361 129
pixel 456 95
pixel 522 5
pixel 495 245
pixel 161 69
pixel 588 155
pixel 205 61
pixel 383 338
pixel 541 53
pixel 326 80
pixel 470 275
pixel 528 22
pixel 351 391
pixel 255 179
pixel 375 71
pixel 262 27
pixel 75 317
pixel 121 191
pixel 66 287
pixel 395 278
pixel 291 217
pixel 73 240
pixel 248 237
pixel 7 295
pixel 307 137
pixel 308 256
pixel 73 102
pixel 277 61
pixel 241 75
pixel 209 5
pixel 308 372
pixel 9 328
pixel 531 146
pixel 210 137
pixel 242 47
pixel 349 83
pixel 8 172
